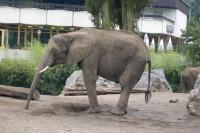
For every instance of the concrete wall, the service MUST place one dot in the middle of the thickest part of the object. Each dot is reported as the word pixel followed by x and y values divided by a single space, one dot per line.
pixel 13 53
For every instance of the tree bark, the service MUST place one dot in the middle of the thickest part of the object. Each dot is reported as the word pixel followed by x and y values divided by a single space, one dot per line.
pixel 17 92
pixel 106 15
pixel 129 12
pixel 124 15
pixel 127 15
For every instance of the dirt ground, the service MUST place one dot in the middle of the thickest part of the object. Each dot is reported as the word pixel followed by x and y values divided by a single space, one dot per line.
pixel 59 114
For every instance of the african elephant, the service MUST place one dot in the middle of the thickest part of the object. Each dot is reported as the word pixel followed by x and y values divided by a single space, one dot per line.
pixel 188 78
pixel 115 55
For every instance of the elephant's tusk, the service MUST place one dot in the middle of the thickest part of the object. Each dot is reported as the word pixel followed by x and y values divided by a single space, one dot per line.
pixel 44 69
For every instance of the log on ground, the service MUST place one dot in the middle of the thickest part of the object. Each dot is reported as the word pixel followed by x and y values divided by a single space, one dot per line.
pixel 100 91
pixel 18 92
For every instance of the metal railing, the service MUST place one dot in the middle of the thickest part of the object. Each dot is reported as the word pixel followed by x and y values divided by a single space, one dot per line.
pixel 47 6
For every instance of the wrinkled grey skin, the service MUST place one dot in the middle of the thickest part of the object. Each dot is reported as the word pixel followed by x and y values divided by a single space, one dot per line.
pixel 188 78
pixel 116 56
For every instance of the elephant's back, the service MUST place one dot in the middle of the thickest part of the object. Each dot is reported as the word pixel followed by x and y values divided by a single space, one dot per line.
pixel 121 42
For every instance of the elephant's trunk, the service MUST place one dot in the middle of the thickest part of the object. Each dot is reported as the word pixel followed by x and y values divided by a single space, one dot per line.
pixel 46 62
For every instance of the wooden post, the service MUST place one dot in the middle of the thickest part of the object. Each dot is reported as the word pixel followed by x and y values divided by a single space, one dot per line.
pixel 25 35
pixel 2 39
pixel 166 40
pixel 57 31
pixel 31 35
pixel 18 35
pixel 157 42
pixel 51 33
pixel 6 37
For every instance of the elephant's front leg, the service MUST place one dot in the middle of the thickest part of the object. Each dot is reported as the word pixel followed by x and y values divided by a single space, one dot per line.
pixel 89 68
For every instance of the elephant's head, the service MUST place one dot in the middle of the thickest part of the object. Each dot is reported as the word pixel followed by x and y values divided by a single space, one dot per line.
pixel 62 49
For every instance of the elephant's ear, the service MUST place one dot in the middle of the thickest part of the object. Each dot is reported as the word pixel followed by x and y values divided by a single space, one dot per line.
pixel 79 50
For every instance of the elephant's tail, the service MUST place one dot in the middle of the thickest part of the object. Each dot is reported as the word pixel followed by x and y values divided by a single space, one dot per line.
pixel 148 92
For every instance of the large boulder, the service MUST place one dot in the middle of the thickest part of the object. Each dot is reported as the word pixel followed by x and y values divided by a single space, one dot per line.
pixel 193 104
pixel 75 85
pixel 158 81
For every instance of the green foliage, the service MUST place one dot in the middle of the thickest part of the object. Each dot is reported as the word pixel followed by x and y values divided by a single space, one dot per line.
pixel 36 50
pixel 195 8
pixel 94 7
pixel 191 50
pixel 54 79
pixel 115 9
pixel 172 63
pixel 192 32
pixel 192 53
pixel 16 72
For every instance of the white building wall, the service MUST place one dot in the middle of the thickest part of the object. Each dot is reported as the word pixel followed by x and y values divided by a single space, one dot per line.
pixel 169 13
pixel 150 25
pixel 158 25
pixel 34 16
pixel 83 19
pixel 59 18
pixel 180 23
pixel 9 14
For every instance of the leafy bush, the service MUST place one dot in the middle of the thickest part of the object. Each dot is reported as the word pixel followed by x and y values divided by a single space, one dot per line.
pixel 36 50
pixel 54 79
pixel 192 53
pixel 16 72
pixel 172 63
pixel 191 50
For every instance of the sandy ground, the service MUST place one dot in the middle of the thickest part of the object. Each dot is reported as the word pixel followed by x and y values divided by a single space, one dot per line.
pixel 69 115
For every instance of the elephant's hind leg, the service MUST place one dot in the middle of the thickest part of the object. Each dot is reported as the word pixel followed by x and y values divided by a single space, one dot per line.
pixel 127 81
pixel 89 76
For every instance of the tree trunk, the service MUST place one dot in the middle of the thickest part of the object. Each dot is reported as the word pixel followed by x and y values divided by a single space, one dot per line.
pixel 124 15
pixel 106 15
pixel 129 12
pixel 17 92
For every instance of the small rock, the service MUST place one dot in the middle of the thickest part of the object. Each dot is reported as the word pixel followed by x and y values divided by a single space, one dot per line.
pixel 173 101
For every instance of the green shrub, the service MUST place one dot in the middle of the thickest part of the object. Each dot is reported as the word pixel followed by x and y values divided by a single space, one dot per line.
pixel 36 50
pixel 54 79
pixel 16 72
pixel 172 63
pixel 21 72
pixel 192 53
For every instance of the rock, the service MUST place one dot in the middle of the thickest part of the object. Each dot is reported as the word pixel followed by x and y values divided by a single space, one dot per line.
pixel 158 81
pixel 75 85
pixel 173 101
pixel 197 82
pixel 193 105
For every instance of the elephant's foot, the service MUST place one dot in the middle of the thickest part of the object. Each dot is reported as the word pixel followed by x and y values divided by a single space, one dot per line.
pixel 93 110
pixel 118 111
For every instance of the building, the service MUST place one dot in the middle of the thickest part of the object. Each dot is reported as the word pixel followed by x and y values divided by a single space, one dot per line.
pixel 22 21
pixel 165 19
